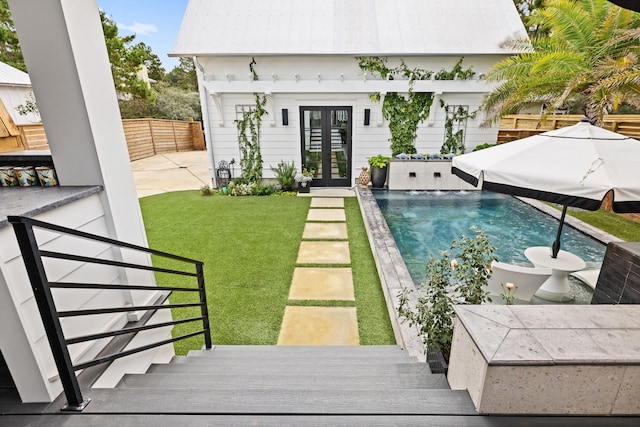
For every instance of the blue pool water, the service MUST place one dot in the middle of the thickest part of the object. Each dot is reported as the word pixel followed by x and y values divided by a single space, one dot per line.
pixel 424 222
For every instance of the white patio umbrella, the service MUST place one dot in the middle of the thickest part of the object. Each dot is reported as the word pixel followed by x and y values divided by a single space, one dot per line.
pixel 572 166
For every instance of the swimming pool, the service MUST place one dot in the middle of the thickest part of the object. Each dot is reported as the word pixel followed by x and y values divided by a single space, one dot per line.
pixel 424 222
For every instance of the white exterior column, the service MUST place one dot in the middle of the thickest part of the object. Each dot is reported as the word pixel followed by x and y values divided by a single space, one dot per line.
pixel 64 49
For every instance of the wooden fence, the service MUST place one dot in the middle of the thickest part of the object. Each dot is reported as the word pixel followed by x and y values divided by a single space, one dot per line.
pixel 145 137
pixel 148 137
pixel 519 126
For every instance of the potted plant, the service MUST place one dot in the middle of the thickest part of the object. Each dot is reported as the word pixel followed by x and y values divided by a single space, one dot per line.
pixel 461 280
pixel 285 174
pixel 379 165
pixel 304 179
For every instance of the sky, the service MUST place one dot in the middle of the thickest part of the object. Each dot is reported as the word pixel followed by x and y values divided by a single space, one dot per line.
pixel 154 22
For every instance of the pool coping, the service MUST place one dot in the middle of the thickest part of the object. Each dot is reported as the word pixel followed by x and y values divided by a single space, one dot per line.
pixel 394 274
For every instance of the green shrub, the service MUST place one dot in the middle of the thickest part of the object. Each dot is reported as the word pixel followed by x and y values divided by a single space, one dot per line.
pixel 449 281
pixel 483 146
pixel 265 190
pixel 243 189
pixel 285 173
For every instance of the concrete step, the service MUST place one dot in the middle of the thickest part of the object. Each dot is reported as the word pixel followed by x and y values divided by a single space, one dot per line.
pixel 312 350
pixel 299 381
pixel 297 353
pixel 341 401
pixel 261 367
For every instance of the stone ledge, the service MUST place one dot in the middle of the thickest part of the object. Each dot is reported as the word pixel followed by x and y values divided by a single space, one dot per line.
pixel 548 359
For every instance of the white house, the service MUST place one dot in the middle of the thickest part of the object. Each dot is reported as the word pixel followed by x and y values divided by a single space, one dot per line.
pixel 304 55
pixel 15 90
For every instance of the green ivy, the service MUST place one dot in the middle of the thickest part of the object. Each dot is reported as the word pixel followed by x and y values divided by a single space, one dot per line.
pixel 454 141
pixel 405 113
pixel 249 131
pixel 456 73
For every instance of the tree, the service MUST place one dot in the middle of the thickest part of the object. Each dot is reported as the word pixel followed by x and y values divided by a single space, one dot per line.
pixel 174 103
pixel 526 9
pixel 10 52
pixel 126 60
pixel 590 52
pixel 183 76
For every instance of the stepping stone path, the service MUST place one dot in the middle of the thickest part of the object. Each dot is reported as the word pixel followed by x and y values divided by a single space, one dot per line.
pixel 323 274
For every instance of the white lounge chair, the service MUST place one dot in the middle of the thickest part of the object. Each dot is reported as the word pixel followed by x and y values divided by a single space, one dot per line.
pixel 588 277
pixel 527 279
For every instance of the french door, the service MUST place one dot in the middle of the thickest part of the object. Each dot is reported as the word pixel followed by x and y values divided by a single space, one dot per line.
pixel 326 144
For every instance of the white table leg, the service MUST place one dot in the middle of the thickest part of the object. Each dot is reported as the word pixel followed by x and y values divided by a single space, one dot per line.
pixel 556 288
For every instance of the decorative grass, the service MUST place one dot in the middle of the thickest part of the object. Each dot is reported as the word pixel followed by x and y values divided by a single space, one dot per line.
pixel 249 246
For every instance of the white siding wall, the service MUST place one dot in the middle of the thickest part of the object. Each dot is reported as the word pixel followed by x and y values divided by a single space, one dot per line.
pixel 228 78
pixel 13 96
pixel 23 342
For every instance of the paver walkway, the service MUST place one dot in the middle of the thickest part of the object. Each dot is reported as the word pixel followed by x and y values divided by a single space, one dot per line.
pixel 323 273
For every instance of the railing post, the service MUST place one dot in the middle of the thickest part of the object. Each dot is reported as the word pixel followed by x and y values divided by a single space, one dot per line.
pixel 204 308
pixel 51 322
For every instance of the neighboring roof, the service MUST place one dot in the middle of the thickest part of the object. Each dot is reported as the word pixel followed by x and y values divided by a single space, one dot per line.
pixel 13 76
pixel 353 27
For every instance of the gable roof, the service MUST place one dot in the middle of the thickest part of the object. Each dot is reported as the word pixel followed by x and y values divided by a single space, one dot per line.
pixel 348 27
pixel 11 76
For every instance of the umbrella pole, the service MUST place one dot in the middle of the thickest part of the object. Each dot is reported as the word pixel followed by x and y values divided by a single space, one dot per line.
pixel 556 245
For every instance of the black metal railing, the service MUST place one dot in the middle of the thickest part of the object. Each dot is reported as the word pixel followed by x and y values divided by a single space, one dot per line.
pixel 33 258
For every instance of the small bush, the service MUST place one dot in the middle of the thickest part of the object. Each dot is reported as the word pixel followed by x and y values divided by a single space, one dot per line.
pixel 285 173
pixel 449 281
pixel 265 190
pixel 483 146
pixel 243 189
pixel 206 190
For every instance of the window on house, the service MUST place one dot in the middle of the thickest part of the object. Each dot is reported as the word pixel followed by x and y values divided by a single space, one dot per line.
pixel 242 108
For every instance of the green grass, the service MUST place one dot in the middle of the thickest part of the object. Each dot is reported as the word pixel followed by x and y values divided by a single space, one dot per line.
pixel 609 222
pixel 249 246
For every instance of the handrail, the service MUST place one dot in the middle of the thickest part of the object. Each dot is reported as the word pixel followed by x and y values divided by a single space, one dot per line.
pixel 33 255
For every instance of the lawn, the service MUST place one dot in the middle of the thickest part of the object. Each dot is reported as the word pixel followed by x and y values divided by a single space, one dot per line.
pixel 249 247
pixel 610 222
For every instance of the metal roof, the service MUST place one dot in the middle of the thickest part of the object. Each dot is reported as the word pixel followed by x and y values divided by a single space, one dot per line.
pixel 354 27
pixel 13 76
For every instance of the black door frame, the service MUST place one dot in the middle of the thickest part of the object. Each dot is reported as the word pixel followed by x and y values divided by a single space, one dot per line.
pixel 327 180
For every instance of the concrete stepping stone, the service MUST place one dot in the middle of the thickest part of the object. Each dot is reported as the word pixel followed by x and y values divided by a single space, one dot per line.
pixel 310 283
pixel 327 202
pixel 324 253
pixel 327 230
pixel 326 215
pixel 319 326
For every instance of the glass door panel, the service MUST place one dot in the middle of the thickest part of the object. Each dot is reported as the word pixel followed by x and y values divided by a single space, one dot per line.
pixel 326 144
pixel 312 127
pixel 339 154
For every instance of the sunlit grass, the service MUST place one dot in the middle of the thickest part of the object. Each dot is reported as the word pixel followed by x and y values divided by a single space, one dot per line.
pixel 249 246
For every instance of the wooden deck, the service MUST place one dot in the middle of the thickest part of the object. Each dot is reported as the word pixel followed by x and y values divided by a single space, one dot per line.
pixel 281 386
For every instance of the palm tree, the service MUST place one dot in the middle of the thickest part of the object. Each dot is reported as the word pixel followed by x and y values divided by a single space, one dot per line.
pixel 589 52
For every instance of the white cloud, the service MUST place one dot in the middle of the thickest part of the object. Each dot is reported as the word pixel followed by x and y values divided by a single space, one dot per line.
pixel 140 29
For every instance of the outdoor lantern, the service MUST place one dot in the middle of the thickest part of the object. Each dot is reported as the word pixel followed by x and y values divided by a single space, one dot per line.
pixel 367 116
pixel 285 117
pixel 223 174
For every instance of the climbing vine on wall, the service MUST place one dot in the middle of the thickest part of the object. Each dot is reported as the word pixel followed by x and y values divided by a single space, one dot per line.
pixel 249 130
pixel 456 115
pixel 405 112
